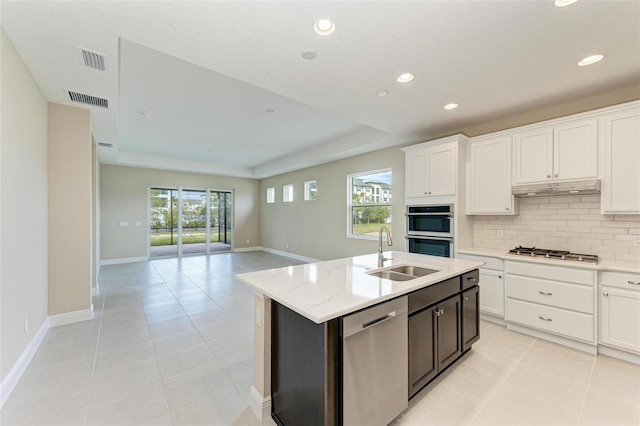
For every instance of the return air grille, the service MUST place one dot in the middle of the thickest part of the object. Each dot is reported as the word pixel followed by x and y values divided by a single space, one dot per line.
pixel 93 60
pixel 105 145
pixel 88 99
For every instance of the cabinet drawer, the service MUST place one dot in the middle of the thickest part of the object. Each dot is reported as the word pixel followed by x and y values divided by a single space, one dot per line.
pixel 556 273
pixel 470 279
pixel 433 294
pixel 558 321
pixel 489 262
pixel 552 293
pixel 622 280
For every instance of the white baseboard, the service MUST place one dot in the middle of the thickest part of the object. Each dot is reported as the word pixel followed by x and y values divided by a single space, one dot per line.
pixel 291 255
pixel 260 405
pixel 13 377
pixel 493 318
pixel 620 354
pixel 71 317
pixel 581 346
pixel 241 249
pixel 104 262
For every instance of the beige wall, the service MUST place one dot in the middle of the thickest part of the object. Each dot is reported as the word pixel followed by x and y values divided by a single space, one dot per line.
pixel 23 200
pixel 69 137
pixel 318 229
pixel 95 213
pixel 123 197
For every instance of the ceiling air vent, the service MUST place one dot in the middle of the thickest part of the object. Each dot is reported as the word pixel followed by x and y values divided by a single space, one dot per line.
pixel 88 99
pixel 105 145
pixel 92 59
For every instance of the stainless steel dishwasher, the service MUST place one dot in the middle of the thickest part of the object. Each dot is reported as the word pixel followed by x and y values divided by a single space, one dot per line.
pixel 375 364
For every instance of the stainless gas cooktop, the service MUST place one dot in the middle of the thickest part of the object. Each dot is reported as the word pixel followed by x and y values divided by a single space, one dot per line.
pixel 554 254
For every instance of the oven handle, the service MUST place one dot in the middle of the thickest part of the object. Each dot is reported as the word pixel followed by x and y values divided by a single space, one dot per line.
pixel 422 237
pixel 449 215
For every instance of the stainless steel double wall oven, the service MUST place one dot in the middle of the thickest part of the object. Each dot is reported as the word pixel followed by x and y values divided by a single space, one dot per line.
pixel 430 230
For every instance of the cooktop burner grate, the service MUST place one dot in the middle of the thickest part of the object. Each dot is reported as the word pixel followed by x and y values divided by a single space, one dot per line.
pixel 554 254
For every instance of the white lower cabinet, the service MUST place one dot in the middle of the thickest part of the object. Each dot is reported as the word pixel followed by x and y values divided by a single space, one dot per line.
pixel 491 284
pixel 553 299
pixel 620 311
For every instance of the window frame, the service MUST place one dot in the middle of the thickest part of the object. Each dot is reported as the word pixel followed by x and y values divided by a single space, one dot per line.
pixel 271 195
pixel 307 190
pixel 351 205
pixel 285 193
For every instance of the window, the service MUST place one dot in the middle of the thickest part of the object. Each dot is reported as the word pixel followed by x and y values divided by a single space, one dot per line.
pixel 271 195
pixel 310 190
pixel 287 193
pixel 369 203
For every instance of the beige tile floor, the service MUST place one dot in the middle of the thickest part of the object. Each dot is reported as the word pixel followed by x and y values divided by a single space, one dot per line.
pixel 172 344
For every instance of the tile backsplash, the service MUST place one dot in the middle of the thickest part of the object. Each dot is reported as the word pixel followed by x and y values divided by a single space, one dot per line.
pixel 562 222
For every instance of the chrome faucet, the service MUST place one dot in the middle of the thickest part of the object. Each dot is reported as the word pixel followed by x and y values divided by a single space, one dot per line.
pixel 381 257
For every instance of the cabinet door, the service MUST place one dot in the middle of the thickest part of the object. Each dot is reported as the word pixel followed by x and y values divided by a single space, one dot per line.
pixel 422 350
pixel 470 317
pixel 441 170
pixel 575 150
pixel 416 174
pixel 533 156
pixel 448 331
pixel 492 292
pixel 489 181
pixel 620 318
pixel 621 174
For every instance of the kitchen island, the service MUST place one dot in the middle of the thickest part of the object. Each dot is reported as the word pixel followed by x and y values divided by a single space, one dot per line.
pixel 310 303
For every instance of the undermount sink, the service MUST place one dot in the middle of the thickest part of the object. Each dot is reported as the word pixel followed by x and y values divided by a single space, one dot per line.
pixel 402 273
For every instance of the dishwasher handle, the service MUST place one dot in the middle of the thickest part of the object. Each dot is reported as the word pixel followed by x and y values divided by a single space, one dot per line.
pixel 378 320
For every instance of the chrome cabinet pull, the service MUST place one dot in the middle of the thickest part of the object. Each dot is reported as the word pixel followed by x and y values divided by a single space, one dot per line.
pixel 545 294
pixel 556 175
pixel 544 319
pixel 466 298
pixel 633 282
pixel 604 293
pixel 548 176
pixel 507 208
pixel 472 279
pixel 500 276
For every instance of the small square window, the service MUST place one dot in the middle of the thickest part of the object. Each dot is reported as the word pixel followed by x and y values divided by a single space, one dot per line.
pixel 271 195
pixel 311 190
pixel 287 193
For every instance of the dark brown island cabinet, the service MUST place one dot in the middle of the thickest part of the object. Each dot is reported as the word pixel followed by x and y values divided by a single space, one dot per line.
pixel 306 357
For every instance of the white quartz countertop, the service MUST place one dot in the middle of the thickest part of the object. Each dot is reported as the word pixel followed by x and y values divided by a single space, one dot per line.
pixel 326 290
pixel 603 265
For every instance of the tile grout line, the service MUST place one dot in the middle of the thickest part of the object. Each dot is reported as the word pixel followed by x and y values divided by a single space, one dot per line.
pixel 586 391
pixel 502 381
pixel 95 356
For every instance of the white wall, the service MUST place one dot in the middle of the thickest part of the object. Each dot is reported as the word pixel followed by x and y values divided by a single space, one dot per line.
pixel 318 229
pixel 23 200
pixel 562 222
pixel 123 197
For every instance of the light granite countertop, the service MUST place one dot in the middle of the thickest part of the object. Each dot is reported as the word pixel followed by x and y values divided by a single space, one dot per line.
pixel 326 290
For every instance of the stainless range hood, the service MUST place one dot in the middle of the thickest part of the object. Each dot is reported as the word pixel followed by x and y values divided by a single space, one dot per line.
pixel 580 187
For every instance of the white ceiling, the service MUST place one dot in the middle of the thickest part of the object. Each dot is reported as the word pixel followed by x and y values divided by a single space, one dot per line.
pixel 207 72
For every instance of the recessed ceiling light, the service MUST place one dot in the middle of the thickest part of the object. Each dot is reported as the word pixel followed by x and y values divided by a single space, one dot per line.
pixel 451 106
pixel 309 54
pixel 383 93
pixel 405 77
pixel 145 114
pixel 564 3
pixel 324 26
pixel 270 110
pixel 590 60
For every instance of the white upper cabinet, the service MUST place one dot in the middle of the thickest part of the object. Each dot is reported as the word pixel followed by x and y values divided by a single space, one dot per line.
pixel 489 177
pixel 565 151
pixel 621 161
pixel 431 170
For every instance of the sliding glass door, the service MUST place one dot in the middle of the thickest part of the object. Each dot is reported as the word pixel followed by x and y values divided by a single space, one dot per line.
pixel 189 221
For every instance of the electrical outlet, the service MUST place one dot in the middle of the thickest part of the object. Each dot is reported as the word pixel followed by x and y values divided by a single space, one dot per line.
pixel 636 240
pixel 500 233
pixel 247 241
pixel 286 245
pixel 26 325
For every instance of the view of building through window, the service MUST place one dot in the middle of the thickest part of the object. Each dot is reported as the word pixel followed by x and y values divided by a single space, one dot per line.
pixel 370 202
